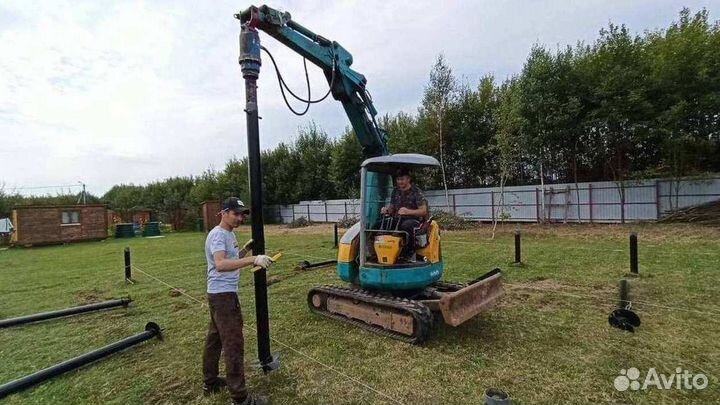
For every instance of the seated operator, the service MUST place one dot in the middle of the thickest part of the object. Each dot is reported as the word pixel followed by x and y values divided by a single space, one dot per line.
pixel 409 203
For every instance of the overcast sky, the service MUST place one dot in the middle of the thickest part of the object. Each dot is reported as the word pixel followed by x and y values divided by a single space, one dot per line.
pixel 131 92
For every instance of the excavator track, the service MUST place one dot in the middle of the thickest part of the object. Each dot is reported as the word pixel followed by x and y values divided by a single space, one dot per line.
pixel 398 318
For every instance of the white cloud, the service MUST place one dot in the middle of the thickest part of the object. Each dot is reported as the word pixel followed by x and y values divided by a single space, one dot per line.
pixel 136 91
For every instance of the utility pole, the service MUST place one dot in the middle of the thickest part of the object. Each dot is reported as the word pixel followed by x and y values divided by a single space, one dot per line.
pixel 82 197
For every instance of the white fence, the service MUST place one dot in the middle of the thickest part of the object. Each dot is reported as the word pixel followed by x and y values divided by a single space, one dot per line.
pixel 598 202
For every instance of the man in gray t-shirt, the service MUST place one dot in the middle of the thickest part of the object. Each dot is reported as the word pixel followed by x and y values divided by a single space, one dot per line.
pixel 225 334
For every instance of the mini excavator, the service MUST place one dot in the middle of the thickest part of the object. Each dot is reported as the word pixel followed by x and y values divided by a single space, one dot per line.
pixel 387 294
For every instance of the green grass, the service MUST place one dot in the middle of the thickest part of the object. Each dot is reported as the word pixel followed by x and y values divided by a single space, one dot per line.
pixel 548 342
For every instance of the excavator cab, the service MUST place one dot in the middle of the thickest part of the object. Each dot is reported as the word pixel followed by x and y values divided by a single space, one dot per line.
pixel 371 251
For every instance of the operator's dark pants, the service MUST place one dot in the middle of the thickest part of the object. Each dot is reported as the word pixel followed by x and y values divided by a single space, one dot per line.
pixel 225 332
pixel 407 225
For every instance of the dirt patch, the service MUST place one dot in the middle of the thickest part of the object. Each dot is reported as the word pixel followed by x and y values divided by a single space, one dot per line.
pixel 547 295
pixel 179 305
pixel 318 229
pixel 90 296
pixel 176 292
pixel 540 284
pixel 546 284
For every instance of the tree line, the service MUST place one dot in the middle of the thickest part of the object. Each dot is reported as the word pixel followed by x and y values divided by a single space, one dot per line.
pixel 623 107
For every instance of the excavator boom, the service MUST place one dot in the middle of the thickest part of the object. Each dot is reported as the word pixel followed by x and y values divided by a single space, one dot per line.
pixel 346 85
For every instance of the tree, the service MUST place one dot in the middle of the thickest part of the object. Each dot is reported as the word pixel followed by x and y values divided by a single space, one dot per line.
pixel 346 159
pixel 440 93
pixel 207 187
pixel 124 199
pixel 278 165
pixel 472 123
pixel 314 152
pixel 685 88
pixel 233 181
pixel 508 139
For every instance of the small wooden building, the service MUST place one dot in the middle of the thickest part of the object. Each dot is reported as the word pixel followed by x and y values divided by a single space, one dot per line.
pixel 138 216
pixel 209 211
pixel 46 225
pixel 141 216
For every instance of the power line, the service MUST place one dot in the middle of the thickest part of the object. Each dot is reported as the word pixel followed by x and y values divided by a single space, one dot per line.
pixel 45 187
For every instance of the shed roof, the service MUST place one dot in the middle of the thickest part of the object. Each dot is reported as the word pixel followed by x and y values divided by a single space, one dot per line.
pixel 40 206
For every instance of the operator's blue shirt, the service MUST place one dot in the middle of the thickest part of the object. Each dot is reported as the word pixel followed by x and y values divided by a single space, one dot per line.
pixel 218 240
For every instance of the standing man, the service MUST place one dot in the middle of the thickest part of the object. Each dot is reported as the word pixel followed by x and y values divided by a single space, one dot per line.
pixel 225 330
pixel 410 205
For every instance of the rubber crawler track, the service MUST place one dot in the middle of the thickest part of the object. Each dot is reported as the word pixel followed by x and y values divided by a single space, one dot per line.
pixel 421 314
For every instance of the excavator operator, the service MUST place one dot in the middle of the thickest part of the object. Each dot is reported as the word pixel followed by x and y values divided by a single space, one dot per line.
pixel 409 206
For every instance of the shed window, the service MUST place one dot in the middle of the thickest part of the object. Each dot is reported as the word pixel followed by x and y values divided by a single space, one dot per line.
pixel 71 217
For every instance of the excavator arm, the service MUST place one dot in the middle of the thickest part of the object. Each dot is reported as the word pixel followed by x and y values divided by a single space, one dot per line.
pixel 346 85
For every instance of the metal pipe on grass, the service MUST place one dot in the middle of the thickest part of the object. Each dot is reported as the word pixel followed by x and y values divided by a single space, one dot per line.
pixel 21 320
pixel 151 330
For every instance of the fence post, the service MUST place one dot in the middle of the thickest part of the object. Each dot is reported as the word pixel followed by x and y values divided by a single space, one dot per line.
pixel 657 198
pixel 128 265
pixel 336 234
pixel 308 212
pixel 326 217
pixel 590 202
pixel 492 206
pixel 517 247
pixel 633 253
pixel 454 208
pixel 622 202
pixel 293 212
pixel 345 204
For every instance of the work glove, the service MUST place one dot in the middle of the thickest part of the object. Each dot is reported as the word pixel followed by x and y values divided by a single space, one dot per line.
pixel 263 261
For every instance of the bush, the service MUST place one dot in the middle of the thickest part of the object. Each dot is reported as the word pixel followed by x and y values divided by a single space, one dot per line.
pixel 300 222
pixel 347 221
pixel 189 221
pixel 451 222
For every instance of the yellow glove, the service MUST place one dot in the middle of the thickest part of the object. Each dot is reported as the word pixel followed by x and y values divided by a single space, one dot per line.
pixel 262 261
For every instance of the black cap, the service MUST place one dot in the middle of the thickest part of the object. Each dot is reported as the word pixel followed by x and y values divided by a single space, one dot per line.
pixel 402 172
pixel 235 204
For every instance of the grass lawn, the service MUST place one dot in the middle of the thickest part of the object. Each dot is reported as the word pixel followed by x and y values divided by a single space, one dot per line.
pixel 548 342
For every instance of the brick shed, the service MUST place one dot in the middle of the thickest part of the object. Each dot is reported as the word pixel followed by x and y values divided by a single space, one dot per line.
pixel 209 212
pixel 46 225
pixel 138 216
pixel 141 216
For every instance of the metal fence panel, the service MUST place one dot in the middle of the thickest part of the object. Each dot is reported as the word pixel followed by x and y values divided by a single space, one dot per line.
pixel 601 202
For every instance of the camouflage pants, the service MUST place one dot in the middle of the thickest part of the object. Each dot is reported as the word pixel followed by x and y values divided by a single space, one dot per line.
pixel 225 333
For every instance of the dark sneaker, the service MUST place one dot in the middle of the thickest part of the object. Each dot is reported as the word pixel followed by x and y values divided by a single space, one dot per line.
pixel 217 386
pixel 251 400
